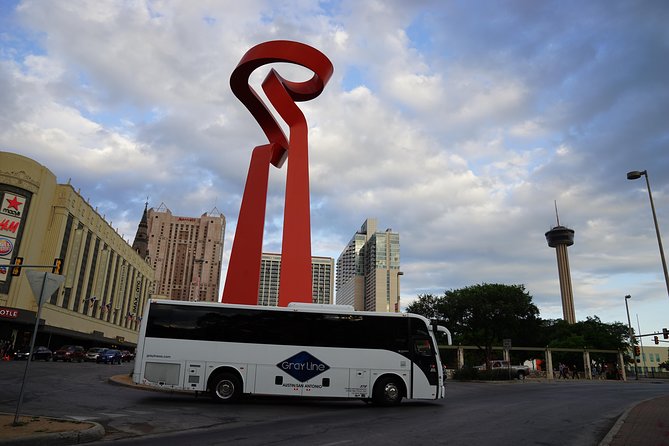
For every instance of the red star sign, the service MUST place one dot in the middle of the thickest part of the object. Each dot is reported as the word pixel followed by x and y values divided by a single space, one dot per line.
pixel 14 203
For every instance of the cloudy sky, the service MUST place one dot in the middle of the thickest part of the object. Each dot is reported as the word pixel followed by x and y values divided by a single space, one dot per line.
pixel 457 124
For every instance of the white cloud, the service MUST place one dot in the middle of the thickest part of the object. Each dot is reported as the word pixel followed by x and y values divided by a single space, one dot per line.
pixel 457 131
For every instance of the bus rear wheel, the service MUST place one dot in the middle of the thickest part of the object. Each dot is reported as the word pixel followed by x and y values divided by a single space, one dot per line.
pixel 387 391
pixel 226 387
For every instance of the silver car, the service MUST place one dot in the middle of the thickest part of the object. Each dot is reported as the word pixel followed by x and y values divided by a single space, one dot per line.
pixel 92 353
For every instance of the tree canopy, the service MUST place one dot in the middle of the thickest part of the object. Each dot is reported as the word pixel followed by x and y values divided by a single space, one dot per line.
pixel 484 314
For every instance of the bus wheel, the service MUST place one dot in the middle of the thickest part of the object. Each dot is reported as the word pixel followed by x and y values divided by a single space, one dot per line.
pixel 387 392
pixel 226 387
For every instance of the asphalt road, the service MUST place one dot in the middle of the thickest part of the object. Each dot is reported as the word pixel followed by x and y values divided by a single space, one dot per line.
pixel 519 412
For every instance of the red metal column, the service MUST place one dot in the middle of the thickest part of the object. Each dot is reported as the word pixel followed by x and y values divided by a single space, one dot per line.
pixel 241 285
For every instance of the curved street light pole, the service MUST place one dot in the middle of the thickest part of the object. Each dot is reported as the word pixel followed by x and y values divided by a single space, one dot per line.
pixel 634 175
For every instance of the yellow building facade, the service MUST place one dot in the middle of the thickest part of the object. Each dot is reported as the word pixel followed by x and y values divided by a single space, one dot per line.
pixel 106 282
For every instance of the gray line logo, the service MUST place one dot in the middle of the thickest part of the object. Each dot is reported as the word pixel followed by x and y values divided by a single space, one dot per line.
pixel 303 366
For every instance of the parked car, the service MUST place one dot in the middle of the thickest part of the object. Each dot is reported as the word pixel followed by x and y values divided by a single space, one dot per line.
pixel 501 366
pixel 109 356
pixel 21 353
pixel 69 353
pixel 92 353
pixel 41 353
pixel 127 356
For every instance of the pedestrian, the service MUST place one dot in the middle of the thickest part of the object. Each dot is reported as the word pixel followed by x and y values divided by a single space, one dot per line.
pixel 574 372
pixel 562 370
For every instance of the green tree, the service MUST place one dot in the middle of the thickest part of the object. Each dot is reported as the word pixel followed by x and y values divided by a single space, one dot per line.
pixel 483 315
pixel 426 305
pixel 591 333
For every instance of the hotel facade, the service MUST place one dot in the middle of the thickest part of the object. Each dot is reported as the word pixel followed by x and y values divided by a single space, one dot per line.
pixel 185 252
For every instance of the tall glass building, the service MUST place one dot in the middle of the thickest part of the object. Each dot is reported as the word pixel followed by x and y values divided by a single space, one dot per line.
pixel 368 270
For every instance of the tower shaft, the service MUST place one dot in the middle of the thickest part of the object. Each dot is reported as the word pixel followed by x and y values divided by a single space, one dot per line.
pixel 560 238
pixel 564 274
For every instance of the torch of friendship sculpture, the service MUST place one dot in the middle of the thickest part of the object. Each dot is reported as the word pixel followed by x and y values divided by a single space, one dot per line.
pixel 243 277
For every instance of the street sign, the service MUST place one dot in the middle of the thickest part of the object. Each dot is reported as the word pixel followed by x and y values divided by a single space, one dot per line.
pixel 50 282
pixel 506 343
pixel 42 284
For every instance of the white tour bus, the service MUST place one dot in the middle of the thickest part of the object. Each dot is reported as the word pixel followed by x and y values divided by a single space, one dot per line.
pixel 303 349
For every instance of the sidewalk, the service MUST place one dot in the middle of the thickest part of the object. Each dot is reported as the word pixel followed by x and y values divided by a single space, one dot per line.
pixel 37 431
pixel 645 424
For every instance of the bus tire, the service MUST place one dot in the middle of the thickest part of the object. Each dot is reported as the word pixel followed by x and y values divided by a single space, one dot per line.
pixel 225 387
pixel 387 391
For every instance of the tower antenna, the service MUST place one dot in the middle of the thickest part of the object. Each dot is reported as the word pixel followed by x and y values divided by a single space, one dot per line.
pixel 557 216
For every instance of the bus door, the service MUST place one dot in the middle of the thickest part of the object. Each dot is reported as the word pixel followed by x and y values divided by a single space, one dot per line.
pixel 424 357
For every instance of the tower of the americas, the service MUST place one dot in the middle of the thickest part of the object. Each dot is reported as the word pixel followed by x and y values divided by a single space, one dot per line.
pixel 559 237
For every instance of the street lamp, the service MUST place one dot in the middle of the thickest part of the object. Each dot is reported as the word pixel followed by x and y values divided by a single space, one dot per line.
pixel 397 304
pixel 635 175
pixel 629 327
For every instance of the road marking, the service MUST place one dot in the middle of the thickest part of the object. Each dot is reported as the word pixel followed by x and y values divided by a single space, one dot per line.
pixel 101 415
pixel 78 418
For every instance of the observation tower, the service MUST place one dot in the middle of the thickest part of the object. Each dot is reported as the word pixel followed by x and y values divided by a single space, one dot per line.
pixel 560 237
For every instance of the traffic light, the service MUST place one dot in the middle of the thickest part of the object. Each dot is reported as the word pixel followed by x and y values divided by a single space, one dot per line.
pixel 657 340
pixel 665 333
pixel 57 266
pixel 16 269
pixel 637 350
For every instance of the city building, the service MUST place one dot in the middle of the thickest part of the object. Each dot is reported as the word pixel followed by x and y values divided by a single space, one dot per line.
pixel 185 253
pixel 368 270
pixel 106 283
pixel 650 359
pixel 322 273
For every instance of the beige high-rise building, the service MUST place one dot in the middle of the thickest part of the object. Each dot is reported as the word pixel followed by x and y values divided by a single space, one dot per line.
pixel 368 270
pixel 322 285
pixel 106 284
pixel 185 252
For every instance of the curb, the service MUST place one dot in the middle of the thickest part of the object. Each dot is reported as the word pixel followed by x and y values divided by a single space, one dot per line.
pixel 94 433
pixel 606 441
pixel 125 381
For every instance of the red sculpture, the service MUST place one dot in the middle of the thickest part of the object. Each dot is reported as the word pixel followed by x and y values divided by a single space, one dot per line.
pixel 242 281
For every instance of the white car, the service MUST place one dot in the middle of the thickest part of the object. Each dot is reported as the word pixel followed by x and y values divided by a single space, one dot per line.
pixel 92 353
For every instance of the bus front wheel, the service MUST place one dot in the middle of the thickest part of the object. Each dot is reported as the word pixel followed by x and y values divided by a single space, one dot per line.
pixel 387 391
pixel 226 387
